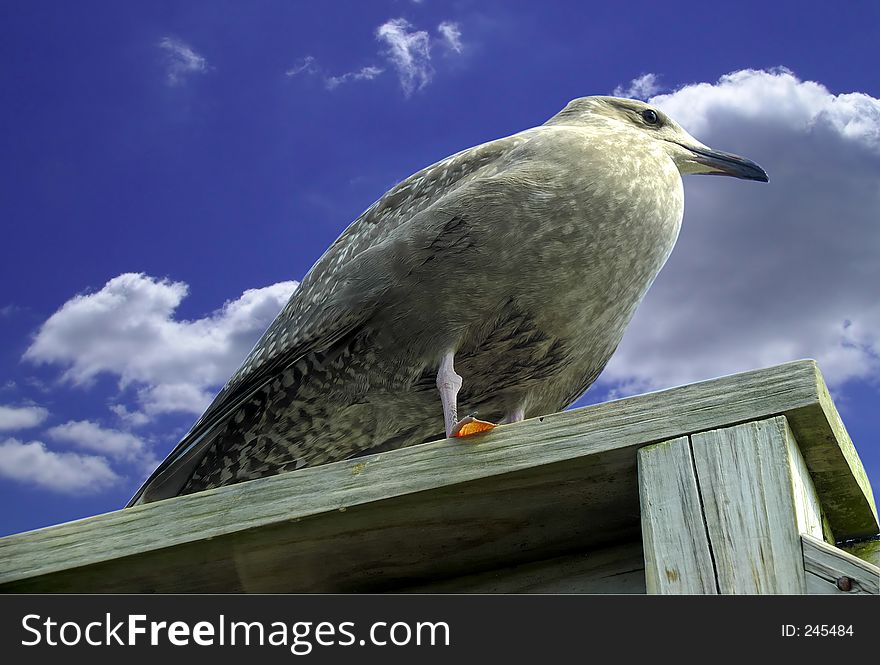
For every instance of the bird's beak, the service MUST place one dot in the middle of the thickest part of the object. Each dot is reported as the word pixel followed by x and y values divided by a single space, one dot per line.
pixel 725 163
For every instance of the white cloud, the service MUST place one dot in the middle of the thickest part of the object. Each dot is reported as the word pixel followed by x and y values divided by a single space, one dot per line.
pixel 90 436
pixel 181 61
pixel 409 51
pixel 179 396
pixel 128 329
pixel 310 67
pixel 307 64
pixel 130 418
pixel 68 473
pixel 451 35
pixel 642 87
pixel 768 273
pixel 21 417
pixel 362 74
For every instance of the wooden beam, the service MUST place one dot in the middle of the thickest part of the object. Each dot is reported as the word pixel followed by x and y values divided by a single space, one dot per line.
pixel 831 570
pixel 830 455
pixel 676 545
pixel 370 546
pixel 550 485
pixel 755 506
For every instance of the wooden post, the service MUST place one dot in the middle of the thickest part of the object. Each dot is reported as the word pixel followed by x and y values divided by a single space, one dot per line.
pixel 748 475
pixel 677 555
pixel 750 487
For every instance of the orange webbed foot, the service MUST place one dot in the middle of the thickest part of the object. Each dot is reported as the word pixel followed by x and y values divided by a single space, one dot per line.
pixel 469 426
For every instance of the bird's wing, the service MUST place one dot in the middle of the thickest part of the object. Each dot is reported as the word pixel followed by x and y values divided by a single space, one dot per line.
pixel 322 310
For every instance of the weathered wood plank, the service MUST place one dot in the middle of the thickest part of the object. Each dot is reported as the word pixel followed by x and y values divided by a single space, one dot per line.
pixel 744 475
pixel 810 518
pixel 616 569
pixel 383 545
pixel 676 546
pixel 819 586
pixel 831 570
pixel 831 457
pixel 215 539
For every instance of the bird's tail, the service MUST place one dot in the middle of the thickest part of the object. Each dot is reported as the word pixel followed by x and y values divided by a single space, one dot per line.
pixel 171 476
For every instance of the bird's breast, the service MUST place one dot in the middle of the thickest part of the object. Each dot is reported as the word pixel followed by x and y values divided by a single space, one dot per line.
pixel 588 254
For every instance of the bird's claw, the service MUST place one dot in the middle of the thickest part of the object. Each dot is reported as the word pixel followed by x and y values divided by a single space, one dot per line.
pixel 469 426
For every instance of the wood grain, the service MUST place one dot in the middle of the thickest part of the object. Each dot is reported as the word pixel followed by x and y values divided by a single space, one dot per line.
pixel 744 474
pixel 676 545
pixel 827 447
pixel 809 516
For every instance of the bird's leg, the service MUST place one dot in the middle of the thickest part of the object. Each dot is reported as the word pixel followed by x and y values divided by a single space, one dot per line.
pixel 449 383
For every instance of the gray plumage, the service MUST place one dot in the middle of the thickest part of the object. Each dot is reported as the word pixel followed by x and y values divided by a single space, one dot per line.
pixel 523 259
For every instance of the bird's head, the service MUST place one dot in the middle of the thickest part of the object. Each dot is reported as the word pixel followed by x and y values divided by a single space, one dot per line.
pixel 630 115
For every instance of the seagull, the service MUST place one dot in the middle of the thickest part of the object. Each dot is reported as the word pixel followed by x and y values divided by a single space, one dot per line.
pixel 495 283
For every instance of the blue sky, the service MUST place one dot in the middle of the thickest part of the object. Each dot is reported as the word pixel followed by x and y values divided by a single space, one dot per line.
pixel 170 170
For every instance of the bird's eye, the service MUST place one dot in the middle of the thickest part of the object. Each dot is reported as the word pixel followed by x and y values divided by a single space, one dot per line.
pixel 650 116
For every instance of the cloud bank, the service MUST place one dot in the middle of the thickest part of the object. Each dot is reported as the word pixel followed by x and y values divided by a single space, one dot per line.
pixel 90 436
pixel 128 329
pixel 21 417
pixel 68 473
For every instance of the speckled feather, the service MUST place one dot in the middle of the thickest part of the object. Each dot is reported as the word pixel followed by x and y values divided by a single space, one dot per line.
pixel 527 255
